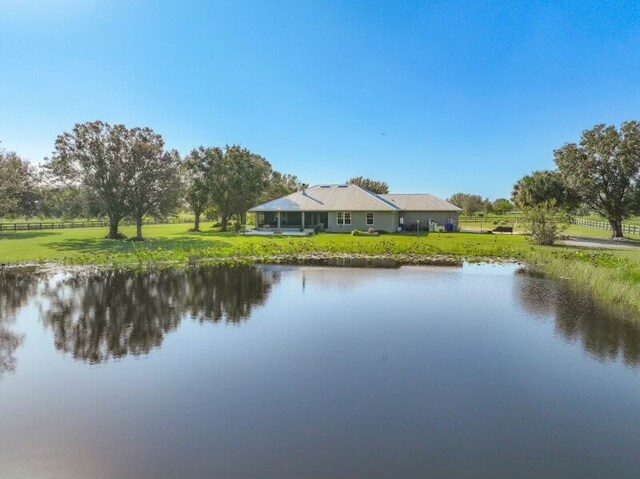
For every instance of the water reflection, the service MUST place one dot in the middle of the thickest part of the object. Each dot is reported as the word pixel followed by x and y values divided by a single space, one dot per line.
pixel 577 318
pixel 17 286
pixel 115 313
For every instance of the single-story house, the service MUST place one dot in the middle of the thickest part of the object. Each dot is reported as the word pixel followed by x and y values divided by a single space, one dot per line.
pixel 344 208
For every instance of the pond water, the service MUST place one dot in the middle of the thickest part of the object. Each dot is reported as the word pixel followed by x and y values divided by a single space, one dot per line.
pixel 307 372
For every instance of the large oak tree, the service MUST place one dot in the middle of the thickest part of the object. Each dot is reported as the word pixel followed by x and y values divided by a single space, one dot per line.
pixel 542 187
pixel 153 178
pixel 239 180
pixel 198 169
pixel 604 170
pixel 127 170
pixel 95 155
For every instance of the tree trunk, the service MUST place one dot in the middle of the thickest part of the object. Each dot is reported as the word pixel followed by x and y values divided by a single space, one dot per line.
pixel 196 226
pixel 223 222
pixel 113 229
pixel 616 226
pixel 243 218
pixel 139 229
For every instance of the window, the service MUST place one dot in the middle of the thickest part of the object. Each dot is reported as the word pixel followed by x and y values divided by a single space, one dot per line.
pixel 343 218
pixel 369 219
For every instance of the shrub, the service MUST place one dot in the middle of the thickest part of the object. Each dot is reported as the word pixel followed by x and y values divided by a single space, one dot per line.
pixel 371 232
pixel 546 222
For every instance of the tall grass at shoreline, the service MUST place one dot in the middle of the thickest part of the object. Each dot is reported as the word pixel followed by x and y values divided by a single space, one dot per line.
pixel 611 280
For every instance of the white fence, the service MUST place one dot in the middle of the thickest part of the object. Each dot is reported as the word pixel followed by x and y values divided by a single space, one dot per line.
pixel 602 225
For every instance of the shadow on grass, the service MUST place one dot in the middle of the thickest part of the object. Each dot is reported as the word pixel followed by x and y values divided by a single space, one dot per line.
pixel 101 245
pixel 22 235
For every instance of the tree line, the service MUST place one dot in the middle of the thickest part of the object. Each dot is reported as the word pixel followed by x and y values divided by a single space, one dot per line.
pixel 472 204
pixel 98 169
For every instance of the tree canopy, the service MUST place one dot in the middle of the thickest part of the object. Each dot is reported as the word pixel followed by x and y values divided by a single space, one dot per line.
pixel 470 204
pixel 543 187
pixel 95 155
pixel 604 171
pixel 375 186
pixel 280 184
pixel 198 172
pixel 17 185
pixel 238 180
pixel 502 206
pixel 127 170
pixel 154 186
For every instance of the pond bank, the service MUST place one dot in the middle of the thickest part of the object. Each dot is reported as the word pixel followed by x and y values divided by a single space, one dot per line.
pixel 612 276
pixel 608 284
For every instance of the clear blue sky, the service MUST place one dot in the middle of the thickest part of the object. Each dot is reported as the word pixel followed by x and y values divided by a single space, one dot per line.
pixel 471 95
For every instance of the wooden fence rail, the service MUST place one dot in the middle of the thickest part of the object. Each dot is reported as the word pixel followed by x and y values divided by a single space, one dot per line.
pixel 50 225
pixel 602 225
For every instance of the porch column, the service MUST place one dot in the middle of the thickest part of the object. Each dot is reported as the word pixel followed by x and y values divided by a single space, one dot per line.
pixel 303 220
pixel 278 220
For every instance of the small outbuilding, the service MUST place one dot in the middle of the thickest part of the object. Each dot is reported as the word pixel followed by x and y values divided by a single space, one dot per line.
pixel 348 207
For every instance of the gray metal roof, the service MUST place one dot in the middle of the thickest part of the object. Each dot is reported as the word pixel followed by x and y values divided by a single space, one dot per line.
pixel 329 198
pixel 419 202
pixel 353 198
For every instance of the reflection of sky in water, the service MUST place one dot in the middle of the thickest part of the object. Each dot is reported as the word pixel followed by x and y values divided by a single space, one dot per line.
pixel 316 372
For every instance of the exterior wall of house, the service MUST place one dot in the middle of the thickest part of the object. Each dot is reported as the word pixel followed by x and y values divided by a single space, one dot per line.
pixel 440 217
pixel 382 220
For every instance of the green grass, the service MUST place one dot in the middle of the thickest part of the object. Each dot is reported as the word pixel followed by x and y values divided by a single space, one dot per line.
pixel 632 221
pixel 176 242
pixel 613 276
pixel 585 232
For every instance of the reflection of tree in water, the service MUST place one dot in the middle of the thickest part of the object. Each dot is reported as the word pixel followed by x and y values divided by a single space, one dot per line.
pixel 601 333
pixel 17 286
pixel 115 313
pixel 229 294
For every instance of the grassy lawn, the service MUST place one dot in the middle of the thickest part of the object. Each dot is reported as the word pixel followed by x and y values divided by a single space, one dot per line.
pixel 176 242
pixel 585 232
pixel 613 276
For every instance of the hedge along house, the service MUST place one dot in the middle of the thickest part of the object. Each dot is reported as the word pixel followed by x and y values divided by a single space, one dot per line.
pixel 344 208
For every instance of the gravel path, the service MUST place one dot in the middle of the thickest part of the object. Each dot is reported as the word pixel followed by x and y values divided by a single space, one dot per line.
pixel 601 243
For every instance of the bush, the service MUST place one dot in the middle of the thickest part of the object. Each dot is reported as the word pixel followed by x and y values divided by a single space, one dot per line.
pixel 371 232
pixel 545 222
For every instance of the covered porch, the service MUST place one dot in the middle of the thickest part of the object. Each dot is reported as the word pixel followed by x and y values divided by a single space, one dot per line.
pixel 292 220
pixel 281 232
